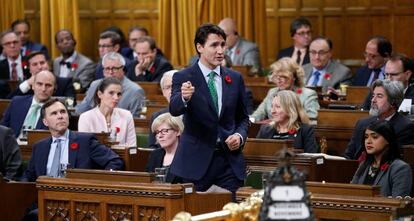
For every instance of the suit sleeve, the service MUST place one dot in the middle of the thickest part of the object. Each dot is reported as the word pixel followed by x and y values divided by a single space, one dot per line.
pixel 177 106
pixel 87 102
pixel 242 118
pixel 30 174
pixel 87 75
pixel 309 140
pixel 252 57
pixel 104 156
pixel 12 157
pixel 262 112
pixel 401 176
pixel 164 68
pixel 405 137
pixel 354 143
pixel 311 105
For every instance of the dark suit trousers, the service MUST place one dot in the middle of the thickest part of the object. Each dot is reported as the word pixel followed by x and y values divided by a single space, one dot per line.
pixel 219 173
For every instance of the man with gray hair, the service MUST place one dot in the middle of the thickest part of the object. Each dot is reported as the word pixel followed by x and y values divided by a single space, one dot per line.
pixel 133 95
pixel 387 96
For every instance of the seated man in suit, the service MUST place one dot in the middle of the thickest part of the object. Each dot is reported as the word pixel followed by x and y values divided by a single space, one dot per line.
pixel 24 111
pixel 11 157
pixel 240 51
pixel 72 64
pixel 65 147
pixel 397 68
pixel 109 41
pixel 323 70
pixel 148 66
pixel 37 62
pixel 166 84
pixel 301 33
pixel 377 52
pixel 135 32
pixel 22 28
pixel 13 67
pixel 386 98
pixel 133 95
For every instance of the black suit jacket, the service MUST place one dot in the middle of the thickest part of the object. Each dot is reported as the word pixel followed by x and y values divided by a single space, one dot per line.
pixel 161 65
pixel 362 76
pixel 64 89
pixel 288 52
pixel 155 161
pixel 152 142
pixel 304 139
pixel 403 127
pixel 5 69
pixel 409 94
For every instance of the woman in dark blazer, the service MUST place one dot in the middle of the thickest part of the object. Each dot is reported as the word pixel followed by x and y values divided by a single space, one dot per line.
pixel 167 130
pixel 380 163
pixel 289 121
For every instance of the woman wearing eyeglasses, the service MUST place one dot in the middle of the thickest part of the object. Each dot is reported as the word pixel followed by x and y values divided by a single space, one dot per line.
pixel 289 121
pixel 380 162
pixel 107 117
pixel 288 75
pixel 167 130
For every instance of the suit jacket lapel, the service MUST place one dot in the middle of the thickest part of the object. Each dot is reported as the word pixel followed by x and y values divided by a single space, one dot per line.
pixel 329 70
pixel 200 80
pixel 73 149
pixel 380 174
pixel 43 158
pixel 225 89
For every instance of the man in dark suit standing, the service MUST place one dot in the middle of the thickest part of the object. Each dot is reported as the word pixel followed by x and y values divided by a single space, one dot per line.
pixel 386 98
pixel 377 52
pixel 74 150
pixel 301 33
pixel 22 28
pixel 36 62
pixel 148 66
pixel 211 99
pixel 24 111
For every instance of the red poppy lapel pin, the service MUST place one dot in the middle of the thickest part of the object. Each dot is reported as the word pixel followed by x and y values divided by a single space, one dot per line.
pixel 74 146
pixel 299 91
pixel 227 79
pixel 73 67
pixel 327 76
pixel 292 131
pixel 238 51
pixel 24 64
pixel 384 166
pixel 117 129
pixel 152 69
pixel 27 52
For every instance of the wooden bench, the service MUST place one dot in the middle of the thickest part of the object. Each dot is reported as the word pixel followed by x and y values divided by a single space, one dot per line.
pixel 4 104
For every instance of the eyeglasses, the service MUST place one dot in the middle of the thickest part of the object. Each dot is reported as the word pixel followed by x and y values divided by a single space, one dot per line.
pixel 371 56
pixel 388 75
pixel 320 53
pixel 280 77
pixel 8 44
pixel 304 33
pixel 113 69
pixel 105 46
pixel 163 131
pixel 167 87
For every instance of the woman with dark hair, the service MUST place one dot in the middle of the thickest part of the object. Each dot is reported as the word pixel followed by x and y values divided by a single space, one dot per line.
pixel 380 162
pixel 289 121
pixel 107 117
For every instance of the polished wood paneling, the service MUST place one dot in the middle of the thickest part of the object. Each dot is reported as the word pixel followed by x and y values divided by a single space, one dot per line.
pixel 348 23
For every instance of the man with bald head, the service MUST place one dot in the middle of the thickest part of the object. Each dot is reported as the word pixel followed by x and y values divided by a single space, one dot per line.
pixel 24 111
pixel 240 51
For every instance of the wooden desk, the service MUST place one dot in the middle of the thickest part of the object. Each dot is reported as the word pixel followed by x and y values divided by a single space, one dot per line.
pixel 150 87
pixel 333 201
pixel 4 104
pixel 356 94
pixel 79 198
pixel 16 198
pixel 336 126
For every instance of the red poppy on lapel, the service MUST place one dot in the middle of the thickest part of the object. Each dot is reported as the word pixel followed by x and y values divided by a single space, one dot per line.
pixel 74 146
pixel 299 91
pixel 152 69
pixel 227 79
pixel 73 67
pixel 238 51
pixel 292 131
pixel 384 166
pixel 27 52
pixel 24 64
pixel 327 76
pixel 117 129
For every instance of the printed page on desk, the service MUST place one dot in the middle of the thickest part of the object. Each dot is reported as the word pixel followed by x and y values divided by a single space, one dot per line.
pixel 326 156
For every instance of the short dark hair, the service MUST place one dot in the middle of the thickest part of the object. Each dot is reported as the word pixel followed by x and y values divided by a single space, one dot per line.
pixel 34 53
pixel 148 39
pixel 327 40
pixel 204 30
pixel 49 103
pixel 18 22
pixel 406 62
pixel 138 28
pixel 298 23
pixel 121 34
pixel 384 46
pixel 62 30
pixel 115 38
pixel 103 85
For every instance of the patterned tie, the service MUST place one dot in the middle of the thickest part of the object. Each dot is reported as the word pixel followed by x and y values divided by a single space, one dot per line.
pixel 54 170
pixel 31 120
pixel 316 78
pixel 14 71
pixel 298 59
pixel 212 88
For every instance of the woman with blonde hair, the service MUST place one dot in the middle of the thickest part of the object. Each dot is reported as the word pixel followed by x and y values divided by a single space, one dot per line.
pixel 288 75
pixel 289 121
